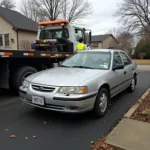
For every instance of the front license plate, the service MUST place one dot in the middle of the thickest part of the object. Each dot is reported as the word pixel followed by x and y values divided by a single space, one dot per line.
pixel 38 100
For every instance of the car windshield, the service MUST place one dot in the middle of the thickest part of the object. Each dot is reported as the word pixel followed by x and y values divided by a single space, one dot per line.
pixel 89 60
pixel 54 34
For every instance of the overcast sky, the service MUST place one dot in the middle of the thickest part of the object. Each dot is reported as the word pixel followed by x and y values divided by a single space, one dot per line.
pixel 102 18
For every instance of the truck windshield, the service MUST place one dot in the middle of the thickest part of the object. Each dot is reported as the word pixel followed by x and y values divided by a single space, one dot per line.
pixel 54 34
pixel 89 60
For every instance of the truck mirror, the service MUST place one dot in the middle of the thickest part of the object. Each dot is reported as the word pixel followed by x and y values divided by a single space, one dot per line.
pixel 90 36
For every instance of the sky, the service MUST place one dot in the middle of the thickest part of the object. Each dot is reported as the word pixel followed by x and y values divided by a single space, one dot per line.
pixel 102 19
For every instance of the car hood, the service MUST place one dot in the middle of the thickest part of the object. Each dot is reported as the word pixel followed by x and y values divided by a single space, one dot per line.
pixel 63 76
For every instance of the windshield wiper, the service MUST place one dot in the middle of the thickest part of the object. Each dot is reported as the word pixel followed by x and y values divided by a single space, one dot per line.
pixel 82 67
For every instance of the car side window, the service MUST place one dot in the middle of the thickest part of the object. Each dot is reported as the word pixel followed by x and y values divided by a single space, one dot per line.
pixel 117 59
pixel 125 59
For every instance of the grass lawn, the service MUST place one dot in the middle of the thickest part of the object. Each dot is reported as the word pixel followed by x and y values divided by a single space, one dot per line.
pixel 142 62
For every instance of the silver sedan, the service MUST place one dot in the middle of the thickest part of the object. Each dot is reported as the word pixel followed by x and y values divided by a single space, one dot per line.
pixel 86 81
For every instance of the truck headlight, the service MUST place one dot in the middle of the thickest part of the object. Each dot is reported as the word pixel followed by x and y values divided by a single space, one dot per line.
pixel 26 84
pixel 73 90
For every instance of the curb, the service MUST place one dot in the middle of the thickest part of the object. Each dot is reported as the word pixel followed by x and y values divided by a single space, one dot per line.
pixel 135 106
pixel 129 113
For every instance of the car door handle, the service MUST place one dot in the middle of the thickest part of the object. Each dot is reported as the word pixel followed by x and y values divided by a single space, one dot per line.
pixel 133 69
pixel 125 72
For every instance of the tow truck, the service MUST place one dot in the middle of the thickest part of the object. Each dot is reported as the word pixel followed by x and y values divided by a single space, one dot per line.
pixel 56 40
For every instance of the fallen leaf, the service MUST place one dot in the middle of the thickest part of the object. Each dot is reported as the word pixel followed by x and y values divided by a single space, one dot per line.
pixel 12 136
pixel 34 137
pixel 45 123
pixel 92 142
pixel 146 112
pixel 26 138
pixel 6 129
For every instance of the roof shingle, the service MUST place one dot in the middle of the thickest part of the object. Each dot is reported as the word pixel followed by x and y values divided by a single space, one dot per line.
pixel 18 20
pixel 100 38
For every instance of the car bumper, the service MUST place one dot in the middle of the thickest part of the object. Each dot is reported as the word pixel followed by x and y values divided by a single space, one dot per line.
pixel 67 104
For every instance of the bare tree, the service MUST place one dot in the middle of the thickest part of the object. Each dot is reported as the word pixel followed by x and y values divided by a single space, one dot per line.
pixel 114 32
pixel 49 8
pixel 27 9
pixel 135 15
pixel 30 10
pixel 126 41
pixel 7 4
pixel 76 9
pixel 72 10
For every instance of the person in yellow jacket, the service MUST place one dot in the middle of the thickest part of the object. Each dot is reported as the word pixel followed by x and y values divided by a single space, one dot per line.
pixel 81 46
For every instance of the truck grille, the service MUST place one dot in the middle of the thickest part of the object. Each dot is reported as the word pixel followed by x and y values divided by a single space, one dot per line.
pixel 43 88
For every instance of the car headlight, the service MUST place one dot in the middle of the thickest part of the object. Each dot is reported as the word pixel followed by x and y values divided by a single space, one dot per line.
pixel 26 84
pixel 73 90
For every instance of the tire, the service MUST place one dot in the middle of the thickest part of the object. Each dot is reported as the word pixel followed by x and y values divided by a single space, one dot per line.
pixel 131 88
pixel 19 75
pixel 98 111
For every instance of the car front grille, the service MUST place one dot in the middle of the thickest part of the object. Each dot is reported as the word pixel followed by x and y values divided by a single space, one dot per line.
pixel 42 88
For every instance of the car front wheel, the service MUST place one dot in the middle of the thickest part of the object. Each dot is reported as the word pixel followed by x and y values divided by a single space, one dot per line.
pixel 101 103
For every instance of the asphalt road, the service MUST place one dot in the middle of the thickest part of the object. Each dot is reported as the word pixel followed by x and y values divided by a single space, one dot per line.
pixel 62 131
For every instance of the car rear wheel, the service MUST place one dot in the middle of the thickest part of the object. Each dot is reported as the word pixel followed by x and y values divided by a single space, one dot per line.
pixel 132 85
pixel 101 103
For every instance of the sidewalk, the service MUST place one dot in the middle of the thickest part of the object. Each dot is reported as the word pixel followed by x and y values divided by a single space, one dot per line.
pixel 143 67
pixel 130 134
pixel 133 132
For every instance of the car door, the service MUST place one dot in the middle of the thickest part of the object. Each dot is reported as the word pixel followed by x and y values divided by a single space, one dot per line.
pixel 117 76
pixel 128 68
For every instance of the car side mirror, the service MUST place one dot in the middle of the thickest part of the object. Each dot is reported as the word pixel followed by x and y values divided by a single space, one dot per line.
pixel 118 67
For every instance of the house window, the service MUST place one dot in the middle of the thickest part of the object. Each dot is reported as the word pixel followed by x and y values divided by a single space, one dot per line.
pixel 95 44
pixel 1 40
pixel 6 36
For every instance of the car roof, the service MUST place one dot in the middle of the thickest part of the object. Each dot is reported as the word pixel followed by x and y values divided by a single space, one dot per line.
pixel 104 50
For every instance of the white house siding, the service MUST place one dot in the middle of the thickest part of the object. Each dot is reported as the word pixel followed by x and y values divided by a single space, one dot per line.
pixel 25 39
pixel 110 42
pixel 6 28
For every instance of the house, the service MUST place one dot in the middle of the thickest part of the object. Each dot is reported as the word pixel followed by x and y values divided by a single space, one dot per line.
pixel 104 41
pixel 17 32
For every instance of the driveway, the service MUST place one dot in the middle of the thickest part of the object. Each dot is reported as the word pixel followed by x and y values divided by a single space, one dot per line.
pixel 62 131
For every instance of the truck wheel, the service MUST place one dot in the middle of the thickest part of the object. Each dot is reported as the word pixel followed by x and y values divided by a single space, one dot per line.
pixel 19 76
pixel 101 103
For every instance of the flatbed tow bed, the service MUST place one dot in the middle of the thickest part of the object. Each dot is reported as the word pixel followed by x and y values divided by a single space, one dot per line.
pixel 33 54
pixel 15 65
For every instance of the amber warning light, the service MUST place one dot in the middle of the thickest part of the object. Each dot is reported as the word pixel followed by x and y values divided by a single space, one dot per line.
pixel 54 22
